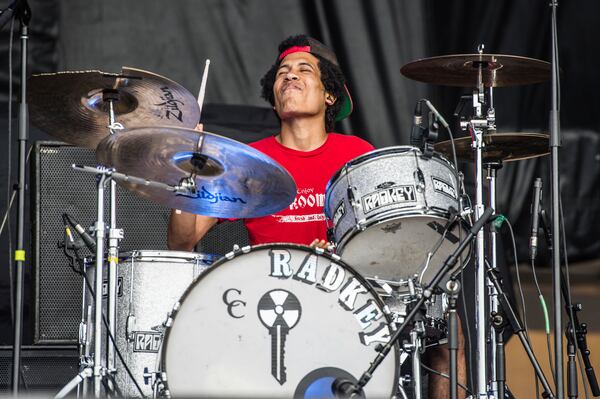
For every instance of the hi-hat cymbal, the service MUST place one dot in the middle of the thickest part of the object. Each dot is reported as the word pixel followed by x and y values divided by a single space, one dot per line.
pixel 70 106
pixel 462 70
pixel 229 179
pixel 499 147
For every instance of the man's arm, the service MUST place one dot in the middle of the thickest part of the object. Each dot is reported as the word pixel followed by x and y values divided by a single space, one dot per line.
pixel 439 387
pixel 186 229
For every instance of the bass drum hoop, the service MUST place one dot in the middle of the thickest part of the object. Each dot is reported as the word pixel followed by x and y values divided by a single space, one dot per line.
pixel 332 257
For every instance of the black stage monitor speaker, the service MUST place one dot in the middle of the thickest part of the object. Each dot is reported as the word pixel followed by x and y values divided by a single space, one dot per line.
pixel 45 370
pixel 58 189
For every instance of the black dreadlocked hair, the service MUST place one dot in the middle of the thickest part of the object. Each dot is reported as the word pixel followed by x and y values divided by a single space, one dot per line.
pixel 331 75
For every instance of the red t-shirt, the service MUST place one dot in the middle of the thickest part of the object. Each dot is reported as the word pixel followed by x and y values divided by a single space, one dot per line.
pixel 303 220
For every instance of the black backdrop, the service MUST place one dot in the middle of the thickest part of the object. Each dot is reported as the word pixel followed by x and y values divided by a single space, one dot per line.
pixel 373 39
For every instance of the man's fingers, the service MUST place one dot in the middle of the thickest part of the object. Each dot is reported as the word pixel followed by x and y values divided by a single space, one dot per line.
pixel 199 127
pixel 324 244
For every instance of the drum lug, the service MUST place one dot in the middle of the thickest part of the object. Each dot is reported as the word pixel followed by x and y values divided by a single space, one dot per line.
pixel 237 250
pixel 130 327
pixel 169 320
pixel 160 389
pixel 420 180
pixel 361 224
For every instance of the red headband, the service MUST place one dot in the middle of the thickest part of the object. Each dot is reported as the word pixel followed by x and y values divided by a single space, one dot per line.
pixel 294 49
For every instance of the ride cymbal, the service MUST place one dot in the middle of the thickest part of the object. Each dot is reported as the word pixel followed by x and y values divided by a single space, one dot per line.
pixel 216 176
pixel 71 107
pixel 499 147
pixel 462 70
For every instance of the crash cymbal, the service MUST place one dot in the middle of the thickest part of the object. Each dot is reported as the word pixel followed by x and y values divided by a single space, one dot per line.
pixel 462 70
pixel 70 106
pixel 499 147
pixel 231 179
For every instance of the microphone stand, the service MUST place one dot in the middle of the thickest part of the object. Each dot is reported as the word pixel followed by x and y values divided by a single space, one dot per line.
pixel 575 332
pixel 556 271
pixel 508 313
pixel 23 13
pixel 350 389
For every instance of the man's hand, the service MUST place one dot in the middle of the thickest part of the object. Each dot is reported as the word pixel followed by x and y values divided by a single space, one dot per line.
pixel 324 244
pixel 199 127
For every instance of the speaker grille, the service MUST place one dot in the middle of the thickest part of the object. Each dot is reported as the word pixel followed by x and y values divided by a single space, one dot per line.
pixel 43 369
pixel 61 189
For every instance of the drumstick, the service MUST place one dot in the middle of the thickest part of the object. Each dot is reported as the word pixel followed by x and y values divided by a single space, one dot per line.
pixel 200 101
pixel 203 87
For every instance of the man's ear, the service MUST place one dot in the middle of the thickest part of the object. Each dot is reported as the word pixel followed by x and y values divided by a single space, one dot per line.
pixel 330 99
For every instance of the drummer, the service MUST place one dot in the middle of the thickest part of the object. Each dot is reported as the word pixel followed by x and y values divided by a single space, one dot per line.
pixel 307 90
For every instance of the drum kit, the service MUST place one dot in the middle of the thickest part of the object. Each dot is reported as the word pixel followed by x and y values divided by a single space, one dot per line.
pixel 274 320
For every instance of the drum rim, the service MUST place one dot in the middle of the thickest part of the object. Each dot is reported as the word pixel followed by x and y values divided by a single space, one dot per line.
pixel 398 149
pixel 246 250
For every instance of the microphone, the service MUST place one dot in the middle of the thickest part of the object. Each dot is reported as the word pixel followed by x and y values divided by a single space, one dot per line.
pixel 7 13
pixel 87 239
pixel 535 213
pixel 416 134
pixel 343 388
pixel 436 113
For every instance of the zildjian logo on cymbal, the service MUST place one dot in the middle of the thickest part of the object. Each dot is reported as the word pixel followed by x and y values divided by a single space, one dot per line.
pixel 171 104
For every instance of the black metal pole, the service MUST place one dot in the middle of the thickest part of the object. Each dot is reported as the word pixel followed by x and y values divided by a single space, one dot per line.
pixel 23 15
pixel 453 287
pixel 556 277
pixel 500 363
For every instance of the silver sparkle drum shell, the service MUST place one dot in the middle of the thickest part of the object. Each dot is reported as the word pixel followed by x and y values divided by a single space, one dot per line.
pixel 218 344
pixel 149 283
pixel 389 209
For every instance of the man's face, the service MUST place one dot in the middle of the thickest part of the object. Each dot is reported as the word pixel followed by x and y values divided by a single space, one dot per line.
pixel 298 89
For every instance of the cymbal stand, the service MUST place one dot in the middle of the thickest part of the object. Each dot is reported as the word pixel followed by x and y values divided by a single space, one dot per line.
pixel 95 370
pixel 494 338
pixel 114 236
pixel 476 126
pixel 99 227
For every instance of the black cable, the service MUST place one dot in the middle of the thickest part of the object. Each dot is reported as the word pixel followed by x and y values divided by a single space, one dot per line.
pixel 444 375
pixel 453 149
pixel 105 322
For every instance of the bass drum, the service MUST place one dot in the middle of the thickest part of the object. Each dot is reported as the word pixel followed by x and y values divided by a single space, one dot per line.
pixel 277 320
pixel 389 209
